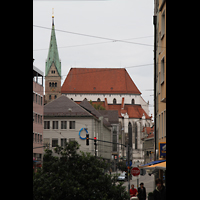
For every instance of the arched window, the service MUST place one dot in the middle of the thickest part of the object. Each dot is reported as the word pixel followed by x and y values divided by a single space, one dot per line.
pixel 98 99
pixel 72 99
pixel 55 84
pixel 55 96
pixel 49 97
pixel 132 101
pixel 50 84
pixel 114 101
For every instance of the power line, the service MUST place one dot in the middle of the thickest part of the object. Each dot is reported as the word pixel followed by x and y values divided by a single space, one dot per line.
pixel 88 44
pixel 99 37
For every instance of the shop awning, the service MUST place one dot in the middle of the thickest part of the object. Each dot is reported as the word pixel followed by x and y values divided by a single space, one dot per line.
pixel 158 164
pixel 161 166
pixel 152 163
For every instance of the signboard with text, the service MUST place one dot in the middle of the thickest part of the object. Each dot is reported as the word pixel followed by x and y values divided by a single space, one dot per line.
pixel 162 149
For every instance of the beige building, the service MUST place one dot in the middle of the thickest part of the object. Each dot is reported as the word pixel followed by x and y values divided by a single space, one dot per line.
pixel 161 71
pixel 160 12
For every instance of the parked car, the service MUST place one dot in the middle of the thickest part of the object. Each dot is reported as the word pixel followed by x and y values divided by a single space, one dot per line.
pixel 122 177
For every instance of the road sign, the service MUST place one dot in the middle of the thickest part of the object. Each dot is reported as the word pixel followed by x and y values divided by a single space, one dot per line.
pixel 135 171
pixel 130 163
pixel 142 172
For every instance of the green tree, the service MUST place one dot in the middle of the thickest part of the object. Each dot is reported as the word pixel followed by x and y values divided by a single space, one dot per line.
pixel 75 175
pixel 122 165
pixel 97 106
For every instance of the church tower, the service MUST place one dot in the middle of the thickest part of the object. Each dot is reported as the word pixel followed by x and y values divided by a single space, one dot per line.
pixel 52 69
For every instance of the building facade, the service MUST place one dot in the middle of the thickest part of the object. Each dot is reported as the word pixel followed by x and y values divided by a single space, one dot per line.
pixel 160 12
pixel 66 121
pixel 38 101
pixel 161 59
pixel 148 144
pixel 52 69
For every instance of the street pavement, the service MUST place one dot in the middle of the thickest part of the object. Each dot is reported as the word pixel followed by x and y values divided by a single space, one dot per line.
pixel 146 179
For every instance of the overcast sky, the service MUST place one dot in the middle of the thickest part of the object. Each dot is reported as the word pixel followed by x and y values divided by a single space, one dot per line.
pixel 114 19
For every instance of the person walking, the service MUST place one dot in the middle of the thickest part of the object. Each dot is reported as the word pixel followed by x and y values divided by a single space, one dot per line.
pixel 160 192
pixel 133 191
pixel 142 192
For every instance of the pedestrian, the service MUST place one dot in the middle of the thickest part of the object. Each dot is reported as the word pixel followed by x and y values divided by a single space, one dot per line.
pixel 133 191
pixel 142 192
pixel 110 170
pixel 160 192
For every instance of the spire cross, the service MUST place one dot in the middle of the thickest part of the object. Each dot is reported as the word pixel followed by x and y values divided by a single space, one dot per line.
pixel 53 16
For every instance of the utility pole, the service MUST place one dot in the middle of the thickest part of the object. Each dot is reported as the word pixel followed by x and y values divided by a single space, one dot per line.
pixel 95 145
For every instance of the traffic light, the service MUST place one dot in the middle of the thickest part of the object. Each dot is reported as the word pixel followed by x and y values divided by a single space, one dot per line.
pixel 126 175
pixel 87 139
pixel 95 140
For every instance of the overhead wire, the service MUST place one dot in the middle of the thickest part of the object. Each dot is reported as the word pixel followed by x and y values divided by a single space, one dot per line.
pixel 88 44
pixel 99 37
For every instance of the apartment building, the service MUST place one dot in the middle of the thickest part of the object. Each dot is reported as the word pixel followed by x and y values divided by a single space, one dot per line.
pixel 38 102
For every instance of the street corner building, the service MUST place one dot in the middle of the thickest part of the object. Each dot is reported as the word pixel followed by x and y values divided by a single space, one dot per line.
pixel 65 121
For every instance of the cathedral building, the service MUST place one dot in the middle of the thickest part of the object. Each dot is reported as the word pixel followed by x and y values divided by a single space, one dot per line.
pixel 113 88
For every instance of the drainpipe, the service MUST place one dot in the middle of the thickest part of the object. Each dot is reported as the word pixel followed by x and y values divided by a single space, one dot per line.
pixel 155 133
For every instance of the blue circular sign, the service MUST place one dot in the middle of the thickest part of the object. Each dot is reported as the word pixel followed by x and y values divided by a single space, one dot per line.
pixel 80 133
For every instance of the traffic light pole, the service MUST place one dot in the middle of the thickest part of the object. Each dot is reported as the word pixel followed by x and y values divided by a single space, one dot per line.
pixel 108 142
pixel 95 150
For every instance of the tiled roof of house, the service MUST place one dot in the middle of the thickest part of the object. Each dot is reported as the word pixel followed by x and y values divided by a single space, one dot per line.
pixel 112 115
pixel 99 81
pixel 63 106
pixel 133 110
pixel 149 131
pixel 86 105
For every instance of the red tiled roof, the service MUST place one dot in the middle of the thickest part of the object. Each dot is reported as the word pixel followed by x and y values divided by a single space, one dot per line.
pixel 99 80
pixel 136 111
pixel 149 131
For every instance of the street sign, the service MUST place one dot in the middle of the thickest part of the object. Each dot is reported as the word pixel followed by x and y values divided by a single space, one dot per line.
pixel 130 163
pixel 142 172
pixel 135 171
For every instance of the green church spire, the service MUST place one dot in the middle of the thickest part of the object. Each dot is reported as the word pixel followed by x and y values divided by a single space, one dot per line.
pixel 53 52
